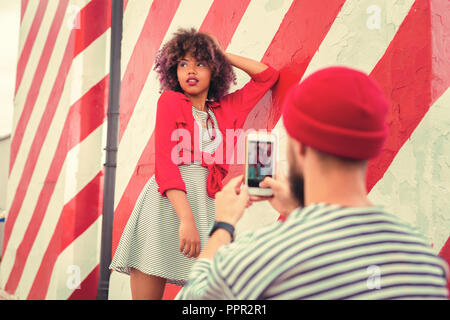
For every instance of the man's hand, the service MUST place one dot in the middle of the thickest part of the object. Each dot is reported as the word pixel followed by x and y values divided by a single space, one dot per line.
pixel 231 201
pixel 282 200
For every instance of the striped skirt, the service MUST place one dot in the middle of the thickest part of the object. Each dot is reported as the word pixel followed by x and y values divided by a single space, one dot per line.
pixel 150 241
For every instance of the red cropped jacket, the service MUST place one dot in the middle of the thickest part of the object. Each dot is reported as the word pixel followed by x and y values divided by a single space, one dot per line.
pixel 174 112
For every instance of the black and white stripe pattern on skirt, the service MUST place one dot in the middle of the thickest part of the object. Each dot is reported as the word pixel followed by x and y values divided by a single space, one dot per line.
pixel 150 240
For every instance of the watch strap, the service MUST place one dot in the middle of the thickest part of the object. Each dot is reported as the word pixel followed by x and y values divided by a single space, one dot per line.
pixel 223 225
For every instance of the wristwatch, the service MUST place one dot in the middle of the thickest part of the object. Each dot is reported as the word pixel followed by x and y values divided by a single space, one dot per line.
pixel 225 226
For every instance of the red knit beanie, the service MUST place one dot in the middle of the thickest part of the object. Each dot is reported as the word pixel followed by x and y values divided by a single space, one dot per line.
pixel 339 111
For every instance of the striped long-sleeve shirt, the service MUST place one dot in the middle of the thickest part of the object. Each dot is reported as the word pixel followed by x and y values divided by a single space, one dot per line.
pixel 324 252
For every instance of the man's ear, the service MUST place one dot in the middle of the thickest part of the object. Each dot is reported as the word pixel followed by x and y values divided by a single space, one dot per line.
pixel 302 149
pixel 298 149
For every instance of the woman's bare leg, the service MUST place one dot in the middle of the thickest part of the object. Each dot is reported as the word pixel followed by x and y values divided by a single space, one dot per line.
pixel 145 286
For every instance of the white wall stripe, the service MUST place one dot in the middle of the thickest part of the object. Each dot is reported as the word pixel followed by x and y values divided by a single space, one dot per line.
pixel 142 121
pixel 86 64
pixel 134 18
pixel 119 286
pixel 70 263
pixel 252 37
pixel 413 187
pixel 75 175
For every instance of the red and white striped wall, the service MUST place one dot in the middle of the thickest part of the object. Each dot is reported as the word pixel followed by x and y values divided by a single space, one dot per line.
pixel 55 187
pixel 55 181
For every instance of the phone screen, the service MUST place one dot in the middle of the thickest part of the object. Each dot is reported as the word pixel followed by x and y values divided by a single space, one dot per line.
pixel 260 162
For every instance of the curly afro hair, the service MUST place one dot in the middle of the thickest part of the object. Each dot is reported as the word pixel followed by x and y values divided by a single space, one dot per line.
pixel 202 47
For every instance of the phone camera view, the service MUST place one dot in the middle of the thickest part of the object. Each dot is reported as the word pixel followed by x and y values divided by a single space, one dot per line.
pixel 260 162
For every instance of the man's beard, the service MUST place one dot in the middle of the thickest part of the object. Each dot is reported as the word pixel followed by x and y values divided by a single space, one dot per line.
pixel 297 185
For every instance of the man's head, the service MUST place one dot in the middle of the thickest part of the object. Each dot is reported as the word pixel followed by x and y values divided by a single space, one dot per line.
pixel 335 119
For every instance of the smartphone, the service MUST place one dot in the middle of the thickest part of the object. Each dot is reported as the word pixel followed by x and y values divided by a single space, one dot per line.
pixel 260 159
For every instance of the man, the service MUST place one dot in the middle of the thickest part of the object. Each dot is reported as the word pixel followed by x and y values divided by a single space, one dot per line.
pixel 334 243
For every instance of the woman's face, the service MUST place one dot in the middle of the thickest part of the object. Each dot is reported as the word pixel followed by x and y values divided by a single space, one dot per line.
pixel 194 76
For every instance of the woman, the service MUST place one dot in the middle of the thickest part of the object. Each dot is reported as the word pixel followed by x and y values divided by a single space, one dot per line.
pixel 175 211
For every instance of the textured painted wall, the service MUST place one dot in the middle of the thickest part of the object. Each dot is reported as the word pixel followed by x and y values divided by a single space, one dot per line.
pixel 4 164
pixel 416 185
pixel 55 179
pixel 55 187
pixel 402 44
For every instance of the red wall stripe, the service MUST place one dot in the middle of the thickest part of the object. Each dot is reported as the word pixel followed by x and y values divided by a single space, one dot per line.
pixel 223 18
pixel 88 288
pixel 45 123
pixel 23 9
pixel 29 42
pixel 440 40
pixel 71 225
pixel 303 29
pixel 171 291
pixel 141 62
pixel 404 74
pixel 83 39
pixel 81 121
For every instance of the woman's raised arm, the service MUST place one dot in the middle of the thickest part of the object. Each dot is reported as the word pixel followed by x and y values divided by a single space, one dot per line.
pixel 247 65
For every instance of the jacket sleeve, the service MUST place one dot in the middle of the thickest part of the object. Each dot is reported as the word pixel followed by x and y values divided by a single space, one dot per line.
pixel 167 173
pixel 242 101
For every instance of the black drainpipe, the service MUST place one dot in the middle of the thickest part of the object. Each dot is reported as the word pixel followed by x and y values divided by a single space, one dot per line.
pixel 111 149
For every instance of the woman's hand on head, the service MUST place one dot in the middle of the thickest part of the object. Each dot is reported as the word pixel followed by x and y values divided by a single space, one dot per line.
pixel 216 42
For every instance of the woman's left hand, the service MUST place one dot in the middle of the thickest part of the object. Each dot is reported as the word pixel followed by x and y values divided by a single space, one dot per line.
pixel 217 43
